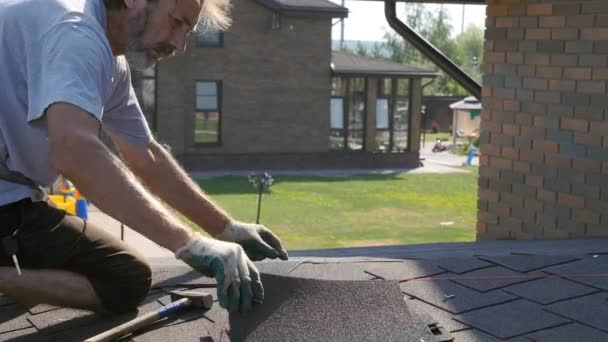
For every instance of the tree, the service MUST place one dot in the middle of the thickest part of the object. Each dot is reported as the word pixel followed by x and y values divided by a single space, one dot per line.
pixel 436 28
pixel 361 50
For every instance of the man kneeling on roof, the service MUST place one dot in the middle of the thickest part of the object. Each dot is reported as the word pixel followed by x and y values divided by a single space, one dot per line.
pixel 64 75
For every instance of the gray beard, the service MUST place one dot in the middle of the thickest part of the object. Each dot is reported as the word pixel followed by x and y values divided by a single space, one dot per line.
pixel 135 52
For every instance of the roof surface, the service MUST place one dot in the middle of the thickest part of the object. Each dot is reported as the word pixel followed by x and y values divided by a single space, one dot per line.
pixel 348 64
pixel 306 7
pixel 489 291
pixel 469 103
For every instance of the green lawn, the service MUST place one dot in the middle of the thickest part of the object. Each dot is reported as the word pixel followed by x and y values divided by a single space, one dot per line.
pixel 320 212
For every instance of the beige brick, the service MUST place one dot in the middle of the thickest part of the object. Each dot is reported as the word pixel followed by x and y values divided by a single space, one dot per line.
pixel 599 128
pixel 508 22
pixel 545 146
pixel 552 21
pixel 551 72
pixel 538 34
pixel 587 139
pixel 540 9
pixel 593 87
pixel 571 201
pixel 575 125
pixel 586 216
pixel 577 73
pixel 594 34
pixel 565 34
pixel 562 85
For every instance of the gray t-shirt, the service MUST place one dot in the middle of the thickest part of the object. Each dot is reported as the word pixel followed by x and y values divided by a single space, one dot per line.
pixel 57 51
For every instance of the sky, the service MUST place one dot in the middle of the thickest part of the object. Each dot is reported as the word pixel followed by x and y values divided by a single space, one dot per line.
pixel 366 19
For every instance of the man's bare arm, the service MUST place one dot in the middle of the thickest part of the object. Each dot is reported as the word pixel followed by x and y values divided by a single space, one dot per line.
pixel 159 171
pixel 78 154
pixel 168 180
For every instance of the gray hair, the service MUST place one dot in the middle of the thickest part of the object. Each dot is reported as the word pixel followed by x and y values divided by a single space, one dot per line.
pixel 215 15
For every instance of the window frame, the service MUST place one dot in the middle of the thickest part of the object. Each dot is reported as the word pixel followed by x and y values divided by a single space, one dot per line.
pixel 196 110
pixel 200 44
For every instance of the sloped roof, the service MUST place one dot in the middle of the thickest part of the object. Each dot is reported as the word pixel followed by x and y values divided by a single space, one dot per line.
pixel 346 63
pixel 469 103
pixel 483 291
pixel 306 7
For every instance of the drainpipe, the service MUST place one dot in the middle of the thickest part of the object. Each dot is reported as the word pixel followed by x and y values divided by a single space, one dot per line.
pixel 430 51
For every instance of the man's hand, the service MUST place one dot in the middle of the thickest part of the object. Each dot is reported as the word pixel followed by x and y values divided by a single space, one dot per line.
pixel 258 241
pixel 238 280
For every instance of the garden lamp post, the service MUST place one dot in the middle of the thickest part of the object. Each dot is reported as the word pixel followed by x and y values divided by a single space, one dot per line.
pixel 261 183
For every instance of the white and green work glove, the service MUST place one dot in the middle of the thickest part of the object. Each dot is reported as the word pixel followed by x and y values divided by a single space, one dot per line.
pixel 258 241
pixel 238 280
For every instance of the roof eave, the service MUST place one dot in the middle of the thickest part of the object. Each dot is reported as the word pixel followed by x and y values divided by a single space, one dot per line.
pixel 337 12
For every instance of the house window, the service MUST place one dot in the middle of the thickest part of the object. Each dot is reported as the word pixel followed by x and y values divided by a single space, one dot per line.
pixel 356 114
pixel 392 114
pixel 209 38
pixel 207 115
pixel 337 136
pixel 347 113
pixel 144 84
pixel 401 115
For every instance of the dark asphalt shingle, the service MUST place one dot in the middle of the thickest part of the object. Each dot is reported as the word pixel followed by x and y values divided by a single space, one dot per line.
pixel 527 263
pixel 461 265
pixel 453 297
pixel 346 63
pixel 493 278
pixel 315 310
pixel 511 319
pixel 588 271
pixel 569 333
pixel 277 268
pixel 590 310
pixel 330 272
pixel 431 314
pixel 400 271
pixel 549 290
pixel 13 317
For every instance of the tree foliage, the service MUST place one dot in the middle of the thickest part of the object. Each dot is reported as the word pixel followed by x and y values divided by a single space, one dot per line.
pixel 466 49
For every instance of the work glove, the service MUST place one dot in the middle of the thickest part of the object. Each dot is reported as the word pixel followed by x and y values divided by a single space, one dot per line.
pixel 258 241
pixel 238 280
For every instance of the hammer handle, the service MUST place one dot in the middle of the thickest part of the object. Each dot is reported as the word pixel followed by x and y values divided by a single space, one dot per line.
pixel 141 322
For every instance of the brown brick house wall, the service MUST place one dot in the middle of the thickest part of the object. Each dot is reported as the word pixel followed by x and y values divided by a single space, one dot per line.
pixel 274 81
pixel 544 164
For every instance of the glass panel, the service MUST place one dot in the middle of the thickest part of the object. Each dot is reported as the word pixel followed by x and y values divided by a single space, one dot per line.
pixel 356 115
pixel 401 124
pixel 382 113
pixel 337 114
pixel 206 102
pixel 206 127
pixel 384 87
pixel 206 88
pixel 403 87
pixel 336 140
pixel 209 37
pixel 338 86
pixel 383 140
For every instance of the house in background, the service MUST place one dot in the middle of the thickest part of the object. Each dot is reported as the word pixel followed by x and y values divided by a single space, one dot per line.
pixel 466 118
pixel 269 94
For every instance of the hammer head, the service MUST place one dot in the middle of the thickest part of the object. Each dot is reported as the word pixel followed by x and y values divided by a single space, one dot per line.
pixel 197 299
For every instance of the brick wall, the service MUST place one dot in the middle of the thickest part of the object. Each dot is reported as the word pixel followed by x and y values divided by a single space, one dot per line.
pixel 544 164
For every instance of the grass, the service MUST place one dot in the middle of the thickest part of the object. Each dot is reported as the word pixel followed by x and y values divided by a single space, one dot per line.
pixel 320 212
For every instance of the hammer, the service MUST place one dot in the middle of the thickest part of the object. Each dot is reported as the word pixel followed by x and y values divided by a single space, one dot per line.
pixel 181 300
